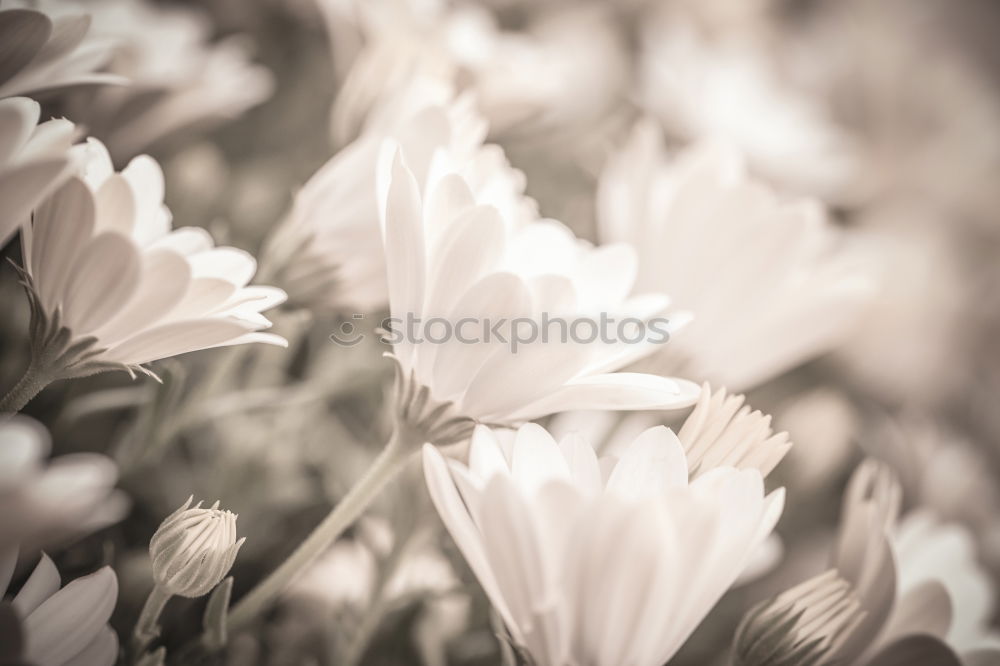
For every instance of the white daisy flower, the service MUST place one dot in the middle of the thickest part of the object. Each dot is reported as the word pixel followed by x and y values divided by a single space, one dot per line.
pixel 111 286
pixel 451 255
pixel 45 502
pixel 34 160
pixel 770 283
pixel 67 625
pixel 593 561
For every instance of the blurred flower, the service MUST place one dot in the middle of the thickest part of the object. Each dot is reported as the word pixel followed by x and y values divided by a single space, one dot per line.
pixel 328 252
pixel 917 588
pixel 728 89
pixel 770 283
pixel 932 553
pixel 111 286
pixel 34 160
pixel 928 456
pixel 863 552
pixel 43 51
pixel 42 504
pixel 193 549
pixel 179 76
pixel 450 254
pixel 565 67
pixel 599 562
pixel 68 625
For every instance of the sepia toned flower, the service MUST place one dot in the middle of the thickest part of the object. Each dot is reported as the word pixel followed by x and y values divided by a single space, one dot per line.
pixel 547 527
pixel 46 502
pixel 800 626
pixel 450 254
pixel 111 285
pixel 769 283
pixel 897 593
pixel 193 549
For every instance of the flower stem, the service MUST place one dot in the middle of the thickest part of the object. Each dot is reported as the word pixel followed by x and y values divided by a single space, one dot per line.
pixel 148 626
pixel 35 378
pixel 390 461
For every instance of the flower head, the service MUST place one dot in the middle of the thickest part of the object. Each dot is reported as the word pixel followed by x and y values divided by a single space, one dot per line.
pixel 45 503
pixel 34 160
pixel 111 286
pixel 599 561
pixel 67 625
pixel 452 254
pixel 912 588
pixel 49 48
pixel 756 272
pixel 193 549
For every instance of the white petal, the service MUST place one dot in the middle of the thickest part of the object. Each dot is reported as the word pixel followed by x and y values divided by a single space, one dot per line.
pixel 653 462
pixel 620 390
pixel 68 621
pixel 41 584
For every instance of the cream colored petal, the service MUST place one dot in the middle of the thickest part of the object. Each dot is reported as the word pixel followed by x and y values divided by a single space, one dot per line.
pixel 41 584
pixel 66 623
pixel 620 390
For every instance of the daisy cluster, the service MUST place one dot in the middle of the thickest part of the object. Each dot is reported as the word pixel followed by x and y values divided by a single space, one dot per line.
pixel 207 210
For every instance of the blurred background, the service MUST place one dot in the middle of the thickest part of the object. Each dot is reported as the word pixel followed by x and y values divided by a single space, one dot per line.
pixel 888 112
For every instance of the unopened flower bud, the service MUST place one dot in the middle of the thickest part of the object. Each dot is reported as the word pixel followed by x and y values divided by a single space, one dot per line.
pixel 193 549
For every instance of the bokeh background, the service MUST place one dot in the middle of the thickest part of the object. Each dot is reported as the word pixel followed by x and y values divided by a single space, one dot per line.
pixel 887 111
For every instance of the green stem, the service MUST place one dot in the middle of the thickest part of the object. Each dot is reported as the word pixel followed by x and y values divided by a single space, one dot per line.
pixel 390 461
pixel 35 378
pixel 148 626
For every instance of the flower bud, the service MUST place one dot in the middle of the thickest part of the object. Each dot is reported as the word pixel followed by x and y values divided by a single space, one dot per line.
pixel 801 626
pixel 193 549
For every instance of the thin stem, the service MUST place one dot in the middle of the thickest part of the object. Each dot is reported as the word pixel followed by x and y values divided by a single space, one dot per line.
pixel 390 461
pixel 35 378
pixel 148 626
